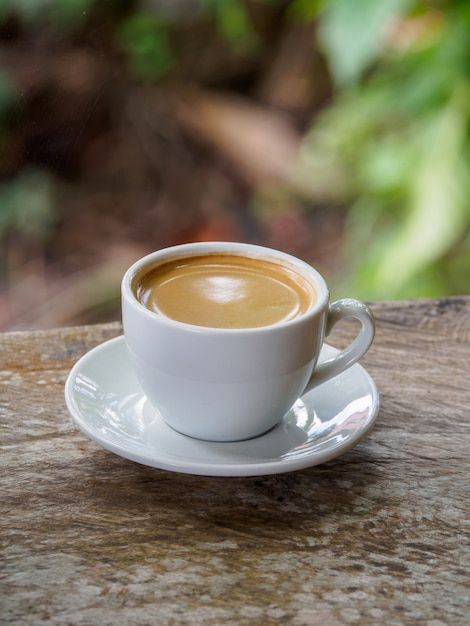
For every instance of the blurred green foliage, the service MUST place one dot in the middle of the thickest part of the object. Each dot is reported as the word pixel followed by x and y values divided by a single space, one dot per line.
pixel 145 38
pixel 395 144
pixel 66 14
pixel 352 33
pixel 232 22
pixel 27 206
pixel 392 147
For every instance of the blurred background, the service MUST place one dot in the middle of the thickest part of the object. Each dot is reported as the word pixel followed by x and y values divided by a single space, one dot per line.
pixel 336 130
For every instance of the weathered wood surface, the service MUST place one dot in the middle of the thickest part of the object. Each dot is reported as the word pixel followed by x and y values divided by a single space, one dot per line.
pixel 374 537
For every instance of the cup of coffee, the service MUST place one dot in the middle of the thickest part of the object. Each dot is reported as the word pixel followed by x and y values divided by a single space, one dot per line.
pixel 225 337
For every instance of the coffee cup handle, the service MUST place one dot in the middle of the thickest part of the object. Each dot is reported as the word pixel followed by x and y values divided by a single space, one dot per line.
pixel 339 310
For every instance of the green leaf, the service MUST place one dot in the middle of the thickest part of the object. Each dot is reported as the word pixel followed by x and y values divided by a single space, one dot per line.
pixel 304 10
pixel 352 34
pixel 438 207
pixel 233 22
pixel 146 40
pixel 457 268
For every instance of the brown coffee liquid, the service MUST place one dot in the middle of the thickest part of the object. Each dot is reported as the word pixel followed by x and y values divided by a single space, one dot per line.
pixel 225 291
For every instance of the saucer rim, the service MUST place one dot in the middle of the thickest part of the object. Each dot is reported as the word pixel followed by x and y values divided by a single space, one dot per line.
pixel 200 468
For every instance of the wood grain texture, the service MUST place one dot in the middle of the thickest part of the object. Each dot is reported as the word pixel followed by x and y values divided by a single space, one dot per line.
pixel 377 536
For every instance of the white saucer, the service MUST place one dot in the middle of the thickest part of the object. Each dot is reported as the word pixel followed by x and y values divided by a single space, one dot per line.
pixel 108 405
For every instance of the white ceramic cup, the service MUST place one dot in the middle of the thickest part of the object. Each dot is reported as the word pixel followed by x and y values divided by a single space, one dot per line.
pixel 225 384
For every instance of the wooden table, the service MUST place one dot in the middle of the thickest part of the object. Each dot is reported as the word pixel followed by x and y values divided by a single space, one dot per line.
pixel 374 537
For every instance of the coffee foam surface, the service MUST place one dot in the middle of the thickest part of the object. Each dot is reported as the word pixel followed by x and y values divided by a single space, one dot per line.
pixel 225 291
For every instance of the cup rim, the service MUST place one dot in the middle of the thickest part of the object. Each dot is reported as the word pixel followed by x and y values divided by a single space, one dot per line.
pixel 224 247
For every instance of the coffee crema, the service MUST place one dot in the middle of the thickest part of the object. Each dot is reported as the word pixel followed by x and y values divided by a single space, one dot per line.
pixel 225 291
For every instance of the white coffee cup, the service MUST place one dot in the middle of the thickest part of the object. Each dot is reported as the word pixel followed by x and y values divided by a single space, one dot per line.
pixel 223 384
